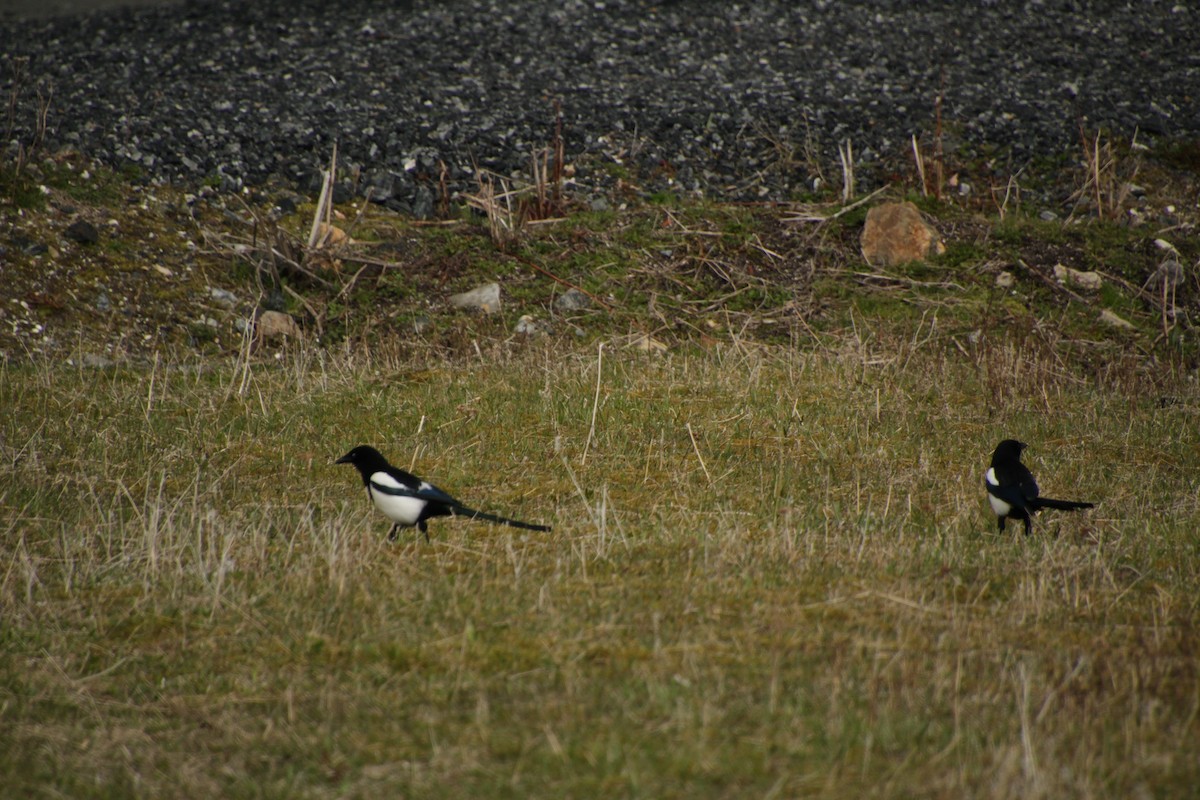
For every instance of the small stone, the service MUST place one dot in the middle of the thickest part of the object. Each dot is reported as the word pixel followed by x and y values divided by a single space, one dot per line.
pixel 287 204
pixel 223 297
pixel 1169 272
pixel 896 233
pixel 331 236
pixel 1005 280
pixel 421 325
pixel 277 325
pixel 96 361
pixel 486 298
pixel 1090 281
pixel 572 300
pixel 526 326
pixel 648 344
pixel 422 204
pixel 1047 216
pixel 82 232
pixel 1113 321
pixel 103 303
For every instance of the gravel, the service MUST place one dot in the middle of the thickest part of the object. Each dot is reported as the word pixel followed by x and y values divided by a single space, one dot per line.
pixel 734 100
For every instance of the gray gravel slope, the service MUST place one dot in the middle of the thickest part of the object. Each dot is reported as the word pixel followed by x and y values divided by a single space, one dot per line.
pixel 684 95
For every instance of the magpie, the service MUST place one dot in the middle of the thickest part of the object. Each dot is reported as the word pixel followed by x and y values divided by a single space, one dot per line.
pixel 409 501
pixel 1013 492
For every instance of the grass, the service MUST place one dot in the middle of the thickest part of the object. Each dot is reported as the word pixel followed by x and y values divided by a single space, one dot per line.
pixel 773 574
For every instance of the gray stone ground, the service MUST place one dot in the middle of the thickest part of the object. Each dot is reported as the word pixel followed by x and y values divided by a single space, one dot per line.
pixel 53 8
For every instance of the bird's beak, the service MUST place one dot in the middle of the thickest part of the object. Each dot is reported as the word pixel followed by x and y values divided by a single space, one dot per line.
pixel 343 460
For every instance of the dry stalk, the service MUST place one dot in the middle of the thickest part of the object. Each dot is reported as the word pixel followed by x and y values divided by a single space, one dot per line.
pixel 920 166
pixel 324 210
pixel 503 222
pixel 595 402
pixel 1011 188
pixel 1105 183
pixel 846 154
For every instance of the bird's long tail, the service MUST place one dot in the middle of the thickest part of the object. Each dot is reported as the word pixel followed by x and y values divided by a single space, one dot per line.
pixel 470 513
pixel 1062 505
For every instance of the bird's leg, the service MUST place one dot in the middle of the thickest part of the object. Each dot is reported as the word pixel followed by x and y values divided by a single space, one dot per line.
pixel 1029 525
pixel 1000 523
pixel 394 532
pixel 423 527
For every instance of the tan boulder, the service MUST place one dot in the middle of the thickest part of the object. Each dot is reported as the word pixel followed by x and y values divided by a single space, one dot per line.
pixel 273 325
pixel 896 233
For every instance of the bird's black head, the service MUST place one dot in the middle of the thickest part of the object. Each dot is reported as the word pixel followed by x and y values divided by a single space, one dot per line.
pixel 365 459
pixel 1008 450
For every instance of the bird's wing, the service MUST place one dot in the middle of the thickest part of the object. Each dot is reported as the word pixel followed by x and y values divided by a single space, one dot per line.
pixel 398 483
pixel 1026 483
pixel 1011 486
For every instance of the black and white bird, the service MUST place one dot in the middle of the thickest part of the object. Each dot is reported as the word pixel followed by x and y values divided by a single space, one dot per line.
pixel 409 501
pixel 1013 492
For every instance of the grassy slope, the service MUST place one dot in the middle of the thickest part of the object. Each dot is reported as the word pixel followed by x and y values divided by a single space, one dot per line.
pixel 773 571
pixel 802 594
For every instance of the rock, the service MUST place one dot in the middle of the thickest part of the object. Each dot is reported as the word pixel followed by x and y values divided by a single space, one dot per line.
pixel 222 297
pixel 274 325
pixel 486 298
pixel 572 300
pixel 82 232
pixel 647 344
pixel 288 204
pixel 96 361
pixel 103 303
pixel 896 233
pixel 331 236
pixel 1090 281
pixel 1113 321
pixel 1169 272
pixel 28 246
pixel 1005 280
pixel 422 204
pixel 526 326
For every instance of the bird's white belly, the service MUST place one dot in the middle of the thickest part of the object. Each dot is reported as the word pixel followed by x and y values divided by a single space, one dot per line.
pixel 999 506
pixel 404 510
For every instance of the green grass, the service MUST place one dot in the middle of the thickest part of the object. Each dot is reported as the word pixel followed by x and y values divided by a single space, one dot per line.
pixel 772 574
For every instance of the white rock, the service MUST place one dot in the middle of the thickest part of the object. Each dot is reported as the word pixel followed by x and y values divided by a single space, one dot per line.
pixel 1084 280
pixel 486 298
pixel 222 297
pixel 1112 320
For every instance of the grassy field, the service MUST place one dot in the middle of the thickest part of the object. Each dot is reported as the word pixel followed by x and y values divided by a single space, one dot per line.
pixel 773 573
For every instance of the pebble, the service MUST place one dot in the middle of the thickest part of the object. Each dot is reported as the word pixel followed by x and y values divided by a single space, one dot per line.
pixel 572 300
pixel 223 297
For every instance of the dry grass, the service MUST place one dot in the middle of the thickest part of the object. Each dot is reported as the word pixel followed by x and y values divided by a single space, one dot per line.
pixel 773 575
